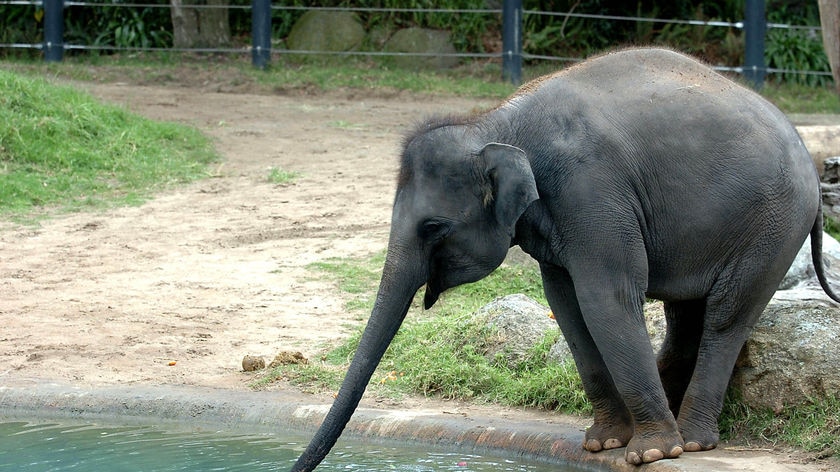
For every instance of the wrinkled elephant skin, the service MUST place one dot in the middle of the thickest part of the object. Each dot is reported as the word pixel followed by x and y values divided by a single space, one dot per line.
pixel 640 173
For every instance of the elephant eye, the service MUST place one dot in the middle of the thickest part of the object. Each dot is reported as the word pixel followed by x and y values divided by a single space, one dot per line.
pixel 434 229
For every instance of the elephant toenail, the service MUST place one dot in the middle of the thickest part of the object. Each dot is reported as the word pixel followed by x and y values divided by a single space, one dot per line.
pixel 593 445
pixel 693 446
pixel 653 455
pixel 675 452
pixel 612 443
pixel 633 458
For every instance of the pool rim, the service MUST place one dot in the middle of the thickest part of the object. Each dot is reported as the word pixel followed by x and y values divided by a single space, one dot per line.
pixel 241 411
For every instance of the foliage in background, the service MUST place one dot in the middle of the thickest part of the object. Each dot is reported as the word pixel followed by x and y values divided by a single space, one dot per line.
pixel 61 149
pixel 796 49
pixel 557 35
pixel 146 27
pixel 20 24
pixel 568 36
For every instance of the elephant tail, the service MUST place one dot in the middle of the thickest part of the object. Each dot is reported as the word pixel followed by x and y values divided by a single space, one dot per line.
pixel 816 255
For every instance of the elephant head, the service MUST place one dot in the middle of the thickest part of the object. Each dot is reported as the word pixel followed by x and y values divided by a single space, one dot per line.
pixel 454 215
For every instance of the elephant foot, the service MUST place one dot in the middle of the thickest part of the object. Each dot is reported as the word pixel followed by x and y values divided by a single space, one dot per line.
pixel 699 438
pixel 652 455
pixel 607 436
pixel 652 446
pixel 697 443
pixel 694 446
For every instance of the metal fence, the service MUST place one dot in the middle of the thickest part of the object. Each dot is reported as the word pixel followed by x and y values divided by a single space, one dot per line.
pixel 512 13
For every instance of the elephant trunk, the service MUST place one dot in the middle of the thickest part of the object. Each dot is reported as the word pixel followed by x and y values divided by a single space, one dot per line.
pixel 396 290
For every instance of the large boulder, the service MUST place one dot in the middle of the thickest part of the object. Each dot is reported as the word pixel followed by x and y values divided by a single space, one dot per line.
pixel 791 356
pixel 822 142
pixel 793 352
pixel 435 43
pixel 801 273
pixel 320 30
pixel 830 187
pixel 519 324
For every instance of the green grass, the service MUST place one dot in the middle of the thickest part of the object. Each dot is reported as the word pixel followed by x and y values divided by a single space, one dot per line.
pixel 451 345
pixel 796 98
pixel 283 76
pixel 813 426
pixel 62 150
pixel 369 75
pixel 279 176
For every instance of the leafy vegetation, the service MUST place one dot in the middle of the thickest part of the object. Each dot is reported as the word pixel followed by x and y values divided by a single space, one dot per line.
pixel 797 49
pixel 812 426
pixel 279 176
pixel 546 31
pixel 61 149
pixel 451 344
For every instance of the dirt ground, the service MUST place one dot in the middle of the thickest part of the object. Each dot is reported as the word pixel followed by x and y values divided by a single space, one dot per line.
pixel 178 290
pixel 208 273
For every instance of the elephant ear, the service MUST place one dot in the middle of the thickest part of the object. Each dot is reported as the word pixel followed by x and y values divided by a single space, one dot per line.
pixel 509 172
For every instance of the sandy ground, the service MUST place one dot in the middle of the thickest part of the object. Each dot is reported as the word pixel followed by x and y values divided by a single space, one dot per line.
pixel 208 273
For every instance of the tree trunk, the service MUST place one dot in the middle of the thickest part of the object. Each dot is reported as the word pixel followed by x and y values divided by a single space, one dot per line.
pixel 830 22
pixel 200 27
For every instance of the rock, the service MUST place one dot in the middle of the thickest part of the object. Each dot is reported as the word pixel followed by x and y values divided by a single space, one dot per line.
pixel 326 31
pixel 830 187
pixel 801 273
pixel 791 356
pixel 822 141
pixel 519 322
pixel 831 170
pixel 655 323
pixel 422 40
pixel 252 363
pixel 831 200
pixel 288 357
pixel 793 352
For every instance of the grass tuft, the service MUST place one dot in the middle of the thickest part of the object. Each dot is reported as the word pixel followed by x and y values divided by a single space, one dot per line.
pixel 279 176
pixel 62 150
pixel 443 352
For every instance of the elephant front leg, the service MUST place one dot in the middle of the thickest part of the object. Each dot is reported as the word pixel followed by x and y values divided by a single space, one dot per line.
pixel 613 316
pixel 613 425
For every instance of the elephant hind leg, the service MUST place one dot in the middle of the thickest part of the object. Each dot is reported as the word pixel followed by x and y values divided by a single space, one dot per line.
pixel 732 309
pixel 678 355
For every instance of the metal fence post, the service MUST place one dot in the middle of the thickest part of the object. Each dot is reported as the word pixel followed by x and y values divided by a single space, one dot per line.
pixel 53 30
pixel 755 29
pixel 512 41
pixel 260 33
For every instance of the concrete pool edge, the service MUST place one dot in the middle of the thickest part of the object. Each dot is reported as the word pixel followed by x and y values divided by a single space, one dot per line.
pixel 262 412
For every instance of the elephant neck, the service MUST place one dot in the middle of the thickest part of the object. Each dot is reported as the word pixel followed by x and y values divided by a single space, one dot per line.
pixel 534 233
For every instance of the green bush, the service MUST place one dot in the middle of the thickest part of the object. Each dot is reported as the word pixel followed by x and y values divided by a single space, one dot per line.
pixel 796 49
pixel 543 34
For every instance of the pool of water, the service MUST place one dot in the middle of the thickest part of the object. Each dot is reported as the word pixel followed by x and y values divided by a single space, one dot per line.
pixel 44 446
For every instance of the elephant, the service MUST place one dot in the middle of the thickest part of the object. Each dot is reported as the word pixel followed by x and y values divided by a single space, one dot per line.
pixel 640 173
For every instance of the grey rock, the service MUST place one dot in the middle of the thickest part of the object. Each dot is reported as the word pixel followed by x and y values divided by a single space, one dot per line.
pixel 793 352
pixel 519 324
pixel 791 356
pixel 326 31
pixel 426 41
pixel 801 273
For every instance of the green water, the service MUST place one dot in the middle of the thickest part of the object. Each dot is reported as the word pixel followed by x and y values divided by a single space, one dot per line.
pixel 41 447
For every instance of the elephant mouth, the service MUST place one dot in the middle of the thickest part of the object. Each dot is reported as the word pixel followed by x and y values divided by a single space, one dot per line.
pixel 433 291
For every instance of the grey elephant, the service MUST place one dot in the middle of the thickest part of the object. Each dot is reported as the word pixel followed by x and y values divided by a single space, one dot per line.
pixel 639 173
